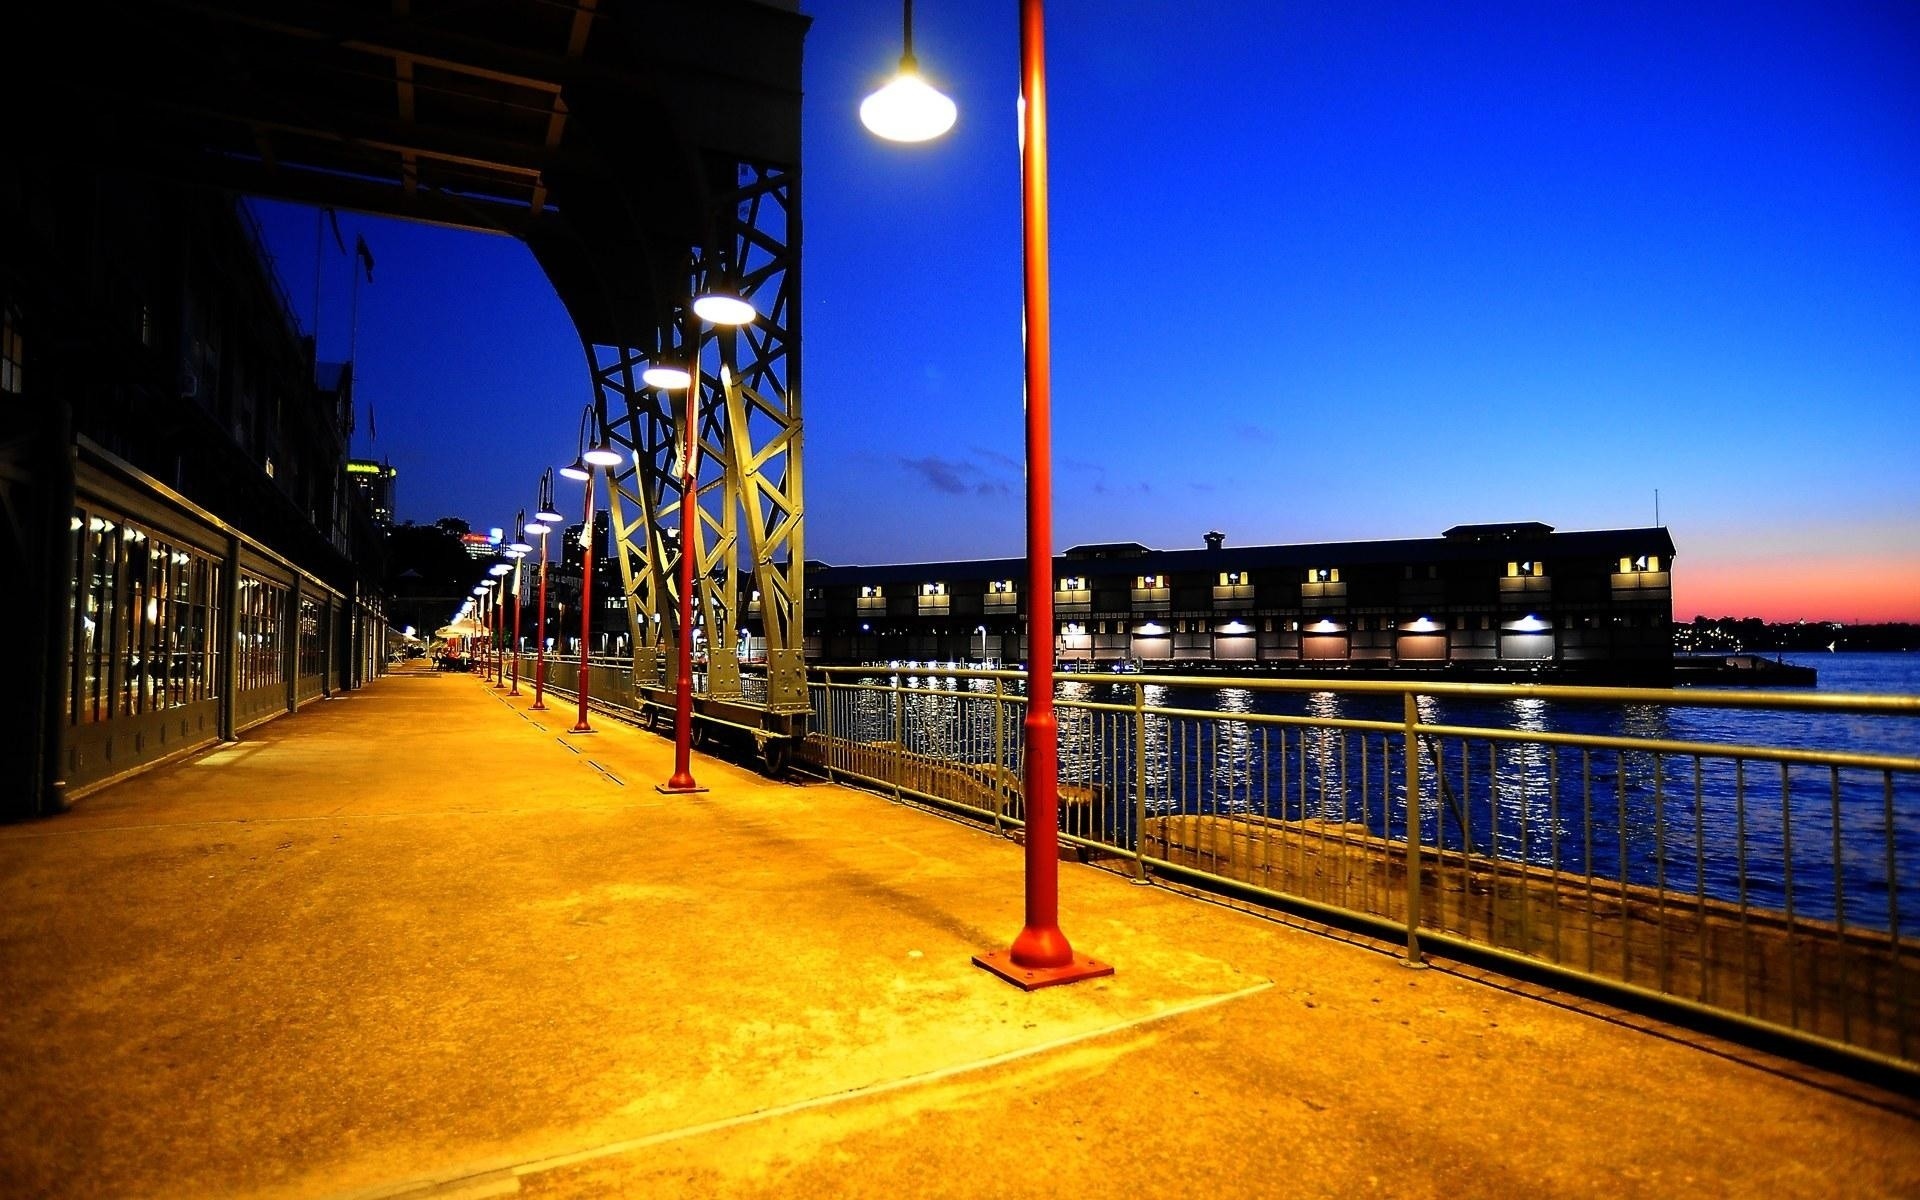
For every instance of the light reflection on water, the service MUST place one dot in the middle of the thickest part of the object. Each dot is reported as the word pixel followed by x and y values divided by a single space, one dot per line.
pixel 1714 825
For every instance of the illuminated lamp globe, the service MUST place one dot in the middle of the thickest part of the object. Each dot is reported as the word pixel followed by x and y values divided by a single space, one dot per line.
pixel 498 569
pixel 577 469
pixel 519 548
pixel 908 109
pixel 721 305
pixel 480 589
pixel 546 516
pixel 602 455
pixel 539 527
pixel 667 374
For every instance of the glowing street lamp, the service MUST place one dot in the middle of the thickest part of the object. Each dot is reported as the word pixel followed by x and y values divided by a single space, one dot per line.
pixel 1040 955
pixel 908 108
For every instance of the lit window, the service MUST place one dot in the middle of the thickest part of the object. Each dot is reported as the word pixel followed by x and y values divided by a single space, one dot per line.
pixel 933 589
pixel 1232 578
pixel 1151 581
pixel 870 591
pixel 1323 574
pixel 1529 569
pixel 1000 586
pixel 1073 583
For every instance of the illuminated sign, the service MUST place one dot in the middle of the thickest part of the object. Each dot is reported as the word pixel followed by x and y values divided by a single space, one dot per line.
pixel 496 535
pixel 363 468
pixel 474 539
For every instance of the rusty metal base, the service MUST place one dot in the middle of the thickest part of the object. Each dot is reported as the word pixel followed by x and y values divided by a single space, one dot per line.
pixel 1001 963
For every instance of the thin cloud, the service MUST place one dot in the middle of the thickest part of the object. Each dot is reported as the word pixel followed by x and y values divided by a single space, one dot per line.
pixel 959 477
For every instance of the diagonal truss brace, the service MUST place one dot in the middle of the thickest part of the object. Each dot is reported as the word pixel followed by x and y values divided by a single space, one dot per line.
pixel 748 419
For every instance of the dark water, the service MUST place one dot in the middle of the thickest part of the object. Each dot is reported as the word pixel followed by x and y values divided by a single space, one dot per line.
pixel 1824 842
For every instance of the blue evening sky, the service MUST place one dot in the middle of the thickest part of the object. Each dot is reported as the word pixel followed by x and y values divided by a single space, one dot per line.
pixel 1322 271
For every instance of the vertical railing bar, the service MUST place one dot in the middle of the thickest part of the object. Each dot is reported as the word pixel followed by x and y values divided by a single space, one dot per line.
pixel 1139 782
pixel 1271 828
pixel 1586 829
pixel 1553 843
pixel 1365 782
pixel 1300 831
pixel 1894 962
pixel 1410 714
pixel 1660 865
pixel 1620 898
pixel 1493 843
pixel 1466 838
pixel 1786 861
pixel 1839 918
pixel 1346 805
pixel 1525 864
pixel 1700 870
pixel 1324 744
pixel 1740 864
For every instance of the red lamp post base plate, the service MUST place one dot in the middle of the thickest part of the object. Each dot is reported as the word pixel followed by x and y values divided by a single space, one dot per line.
pixel 1031 979
pixel 667 789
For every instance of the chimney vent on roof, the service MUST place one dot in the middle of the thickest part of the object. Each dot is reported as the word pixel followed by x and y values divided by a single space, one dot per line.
pixel 1215 539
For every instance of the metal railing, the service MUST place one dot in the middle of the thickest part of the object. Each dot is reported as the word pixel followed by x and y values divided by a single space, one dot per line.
pixel 1747 855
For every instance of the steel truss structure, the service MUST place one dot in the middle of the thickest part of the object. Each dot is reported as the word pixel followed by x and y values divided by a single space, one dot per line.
pixel 748 453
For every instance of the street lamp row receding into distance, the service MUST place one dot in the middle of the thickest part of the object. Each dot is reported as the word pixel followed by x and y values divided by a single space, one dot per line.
pixel 910 110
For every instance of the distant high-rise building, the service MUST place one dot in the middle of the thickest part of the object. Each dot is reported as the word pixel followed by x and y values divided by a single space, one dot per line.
pixel 375 481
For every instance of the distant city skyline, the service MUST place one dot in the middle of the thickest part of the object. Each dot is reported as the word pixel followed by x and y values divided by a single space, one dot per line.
pixel 1421 266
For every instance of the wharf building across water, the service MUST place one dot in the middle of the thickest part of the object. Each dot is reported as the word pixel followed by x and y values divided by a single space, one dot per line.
pixel 1491 599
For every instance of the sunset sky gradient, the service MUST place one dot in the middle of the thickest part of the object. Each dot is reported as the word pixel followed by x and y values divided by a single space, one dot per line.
pixel 1323 271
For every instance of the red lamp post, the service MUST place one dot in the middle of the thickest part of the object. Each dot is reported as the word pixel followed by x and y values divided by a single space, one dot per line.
pixel 542 523
pixel 600 454
pixel 519 551
pixel 719 305
pixel 480 591
pixel 499 571
pixel 909 110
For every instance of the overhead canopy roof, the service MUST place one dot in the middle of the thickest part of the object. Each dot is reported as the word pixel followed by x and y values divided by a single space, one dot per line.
pixel 596 132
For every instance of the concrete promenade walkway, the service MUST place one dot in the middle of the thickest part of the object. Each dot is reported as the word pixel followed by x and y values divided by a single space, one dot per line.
pixel 417 942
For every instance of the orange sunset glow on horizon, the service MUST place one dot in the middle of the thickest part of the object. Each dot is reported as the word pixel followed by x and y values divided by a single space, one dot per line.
pixel 1847 589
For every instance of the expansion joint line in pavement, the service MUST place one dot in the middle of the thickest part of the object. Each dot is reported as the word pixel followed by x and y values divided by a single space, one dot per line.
pixel 504 1179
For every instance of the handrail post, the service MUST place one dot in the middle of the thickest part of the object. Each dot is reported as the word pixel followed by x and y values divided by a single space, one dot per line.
pixel 826 722
pixel 999 757
pixel 1411 715
pixel 1140 782
pixel 899 734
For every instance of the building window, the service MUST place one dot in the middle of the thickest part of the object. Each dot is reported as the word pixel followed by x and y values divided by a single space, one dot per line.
pixel 1323 574
pixel 1073 583
pixel 1529 569
pixel 1232 578
pixel 1151 581
pixel 1641 562
pixel 933 589
pixel 12 352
